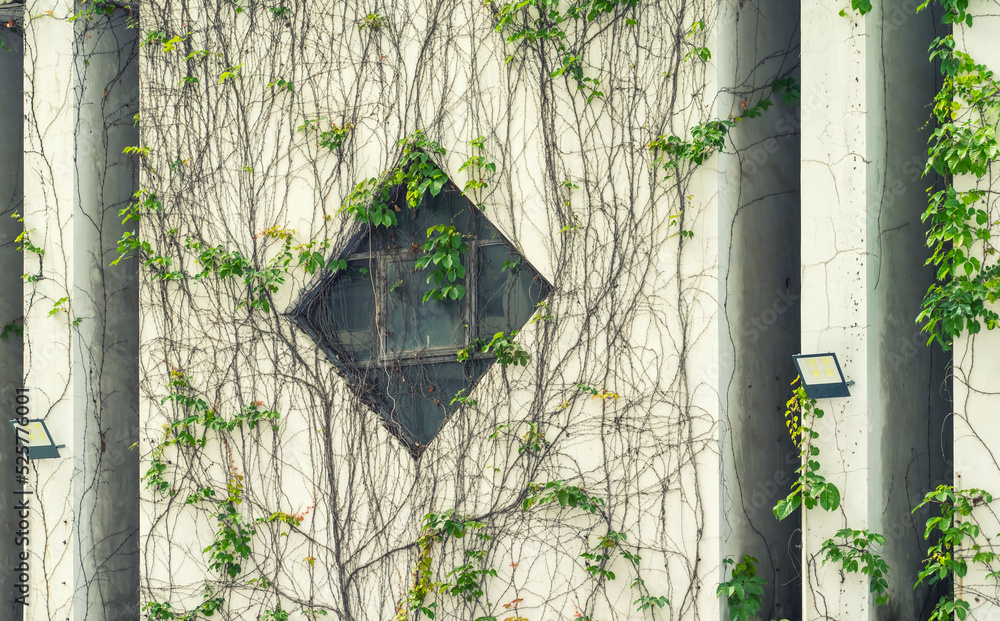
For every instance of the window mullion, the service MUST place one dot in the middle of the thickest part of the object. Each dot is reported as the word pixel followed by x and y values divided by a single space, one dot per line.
pixel 378 270
pixel 471 291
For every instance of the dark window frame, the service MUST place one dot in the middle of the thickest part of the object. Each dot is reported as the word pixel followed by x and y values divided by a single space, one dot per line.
pixel 380 246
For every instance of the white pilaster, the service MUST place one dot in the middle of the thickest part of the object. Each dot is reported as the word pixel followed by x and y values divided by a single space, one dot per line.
pixel 977 374
pixel 79 360
pixel 52 364
pixel 835 142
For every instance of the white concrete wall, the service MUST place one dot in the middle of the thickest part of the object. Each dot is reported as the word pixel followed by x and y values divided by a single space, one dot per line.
pixel 636 310
pixel 834 285
pixel 976 373
pixel 49 365
pixel 863 280
pixel 80 360
pixel 667 323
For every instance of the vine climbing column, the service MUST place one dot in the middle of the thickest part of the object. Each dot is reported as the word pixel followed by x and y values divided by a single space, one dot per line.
pixel 864 130
pixel 81 326
pixel 833 307
pixel 977 361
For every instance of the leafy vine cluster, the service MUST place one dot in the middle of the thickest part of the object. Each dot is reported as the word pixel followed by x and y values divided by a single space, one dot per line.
pixel 545 23
pixel 959 222
pixel 952 533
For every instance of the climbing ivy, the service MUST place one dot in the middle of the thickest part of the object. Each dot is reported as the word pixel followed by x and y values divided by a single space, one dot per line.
pixel 129 244
pixel 371 199
pixel 479 167
pixel 563 495
pixel 859 550
pixel 96 8
pixel 672 152
pixel 331 139
pixel 861 6
pixel 372 21
pixel 811 488
pixel 545 22
pixel 232 537
pixel 949 531
pixel 161 611
pixel 963 143
pixel 442 257
pixel 465 581
pixel 502 346
pixel 744 590
pixel 532 441
pixel 15 327
pixel 955 11
pixel 261 283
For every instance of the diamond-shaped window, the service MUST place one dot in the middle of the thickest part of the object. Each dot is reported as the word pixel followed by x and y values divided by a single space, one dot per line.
pixel 396 347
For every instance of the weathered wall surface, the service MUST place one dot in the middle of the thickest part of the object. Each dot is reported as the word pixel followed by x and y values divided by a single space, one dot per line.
pixel 634 310
pixel 863 281
pixel 675 295
pixel 49 206
pixel 11 202
pixel 834 286
pixel 81 327
pixel 910 427
pixel 108 86
pixel 976 373
pixel 760 292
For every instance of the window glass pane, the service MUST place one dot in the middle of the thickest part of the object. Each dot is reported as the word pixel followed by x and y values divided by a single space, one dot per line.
pixel 419 397
pixel 505 299
pixel 448 208
pixel 411 323
pixel 343 312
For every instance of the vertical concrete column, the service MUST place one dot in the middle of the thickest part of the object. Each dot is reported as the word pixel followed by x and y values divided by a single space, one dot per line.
pixel 80 356
pixel 759 286
pixel 865 92
pixel 834 301
pixel 908 397
pixel 11 190
pixel 52 365
pixel 977 371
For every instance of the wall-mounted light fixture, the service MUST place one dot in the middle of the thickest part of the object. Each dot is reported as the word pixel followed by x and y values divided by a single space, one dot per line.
pixel 36 437
pixel 821 376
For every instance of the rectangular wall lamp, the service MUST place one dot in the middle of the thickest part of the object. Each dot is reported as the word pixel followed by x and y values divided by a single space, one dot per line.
pixel 821 376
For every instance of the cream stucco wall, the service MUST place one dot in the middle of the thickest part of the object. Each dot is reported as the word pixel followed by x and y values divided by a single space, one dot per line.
pixel 976 375
pixel 634 310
